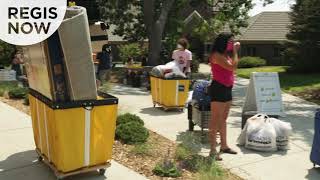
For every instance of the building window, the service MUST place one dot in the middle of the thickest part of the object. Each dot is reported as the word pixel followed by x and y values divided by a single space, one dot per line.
pixel 251 51
pixel 276 52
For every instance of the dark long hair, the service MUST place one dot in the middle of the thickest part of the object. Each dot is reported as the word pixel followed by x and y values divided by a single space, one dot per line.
pixel 220 43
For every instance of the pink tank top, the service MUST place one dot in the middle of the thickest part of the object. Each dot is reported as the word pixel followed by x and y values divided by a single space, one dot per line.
pixel 222 75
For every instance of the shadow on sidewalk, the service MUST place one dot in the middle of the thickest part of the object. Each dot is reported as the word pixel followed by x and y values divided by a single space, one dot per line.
pixel 194 141
pixel 19 160
pixel 159 111
pixel 313 174
pixel 25 165
pixel 262 154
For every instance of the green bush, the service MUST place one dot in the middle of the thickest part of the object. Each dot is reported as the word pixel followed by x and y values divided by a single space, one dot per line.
pixel 196 163
pixel 182 152
pixel 18 93
pixel 210 171
pixel 7 86
pixel 132 133
pixel 6 51
pixel 167 169
pixel 127 117
pixel 249 62
pixel 133 50
pixel 142 149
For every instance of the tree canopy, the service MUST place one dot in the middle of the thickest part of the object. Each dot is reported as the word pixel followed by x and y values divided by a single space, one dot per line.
pixel 303 48
pixel 161 20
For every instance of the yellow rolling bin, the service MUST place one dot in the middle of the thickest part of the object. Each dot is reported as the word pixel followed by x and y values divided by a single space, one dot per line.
pixel 74 137
pixel 169 93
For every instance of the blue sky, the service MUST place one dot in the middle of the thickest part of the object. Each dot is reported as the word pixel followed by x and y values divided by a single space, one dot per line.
pixel 278 5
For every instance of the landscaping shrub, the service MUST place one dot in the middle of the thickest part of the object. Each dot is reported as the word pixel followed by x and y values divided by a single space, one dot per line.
pixel 7 86
pixel 18 93
pixel 142 149
pixel 249 62
pixel 132 133
pixel 210 171
pixel 196 162
pixel 133 50
pixel 182 152
pixel 127 117
pixel 167 169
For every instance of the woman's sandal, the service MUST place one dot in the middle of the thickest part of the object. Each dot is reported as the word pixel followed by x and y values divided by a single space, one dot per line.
pixel 228 151
pixel 215 156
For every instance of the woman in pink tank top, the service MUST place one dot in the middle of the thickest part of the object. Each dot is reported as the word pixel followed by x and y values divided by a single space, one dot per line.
pixel 224 61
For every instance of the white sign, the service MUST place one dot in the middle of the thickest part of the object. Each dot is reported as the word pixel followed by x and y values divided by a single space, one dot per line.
pixel 264 94
pixel 27 22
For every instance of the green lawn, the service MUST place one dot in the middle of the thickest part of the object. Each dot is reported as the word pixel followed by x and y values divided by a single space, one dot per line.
pixel 245 72
pixel 306 86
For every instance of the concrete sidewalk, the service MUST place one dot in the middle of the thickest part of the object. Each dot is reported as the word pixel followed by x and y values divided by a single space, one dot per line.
pixel 293 164
pixel 18 160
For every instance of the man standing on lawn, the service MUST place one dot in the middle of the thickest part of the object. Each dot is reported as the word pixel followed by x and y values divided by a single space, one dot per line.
pixel 105 63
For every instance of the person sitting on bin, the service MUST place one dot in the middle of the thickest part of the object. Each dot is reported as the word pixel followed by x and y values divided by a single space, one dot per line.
pixel 183 56
pixel 105 63
pixel 224 61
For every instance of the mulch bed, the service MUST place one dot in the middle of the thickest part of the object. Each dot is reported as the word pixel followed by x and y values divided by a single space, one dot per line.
pixel 144 164
pixel 312 95
pixel 161 148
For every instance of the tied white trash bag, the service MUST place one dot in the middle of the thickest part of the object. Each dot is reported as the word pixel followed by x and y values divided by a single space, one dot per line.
pixel 283 131
pixel 261 135
pixel 254 122
pixel 169 70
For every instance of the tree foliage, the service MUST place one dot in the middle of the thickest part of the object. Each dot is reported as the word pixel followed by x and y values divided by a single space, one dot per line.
pixel 6 51
pixel 162 21
pixel 303 49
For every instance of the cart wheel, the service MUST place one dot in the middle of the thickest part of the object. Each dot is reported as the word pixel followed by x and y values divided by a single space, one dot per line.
pixel 154 105
pixel 102 171
pixel 181 110
pixel 40 159
pixel 191 125
pixel 60 178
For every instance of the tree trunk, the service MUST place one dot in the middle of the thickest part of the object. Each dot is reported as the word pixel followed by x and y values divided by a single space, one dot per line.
pixel 156 32
pixel 155 45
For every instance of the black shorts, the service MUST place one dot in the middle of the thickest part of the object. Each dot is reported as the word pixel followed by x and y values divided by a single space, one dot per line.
pixel 220 92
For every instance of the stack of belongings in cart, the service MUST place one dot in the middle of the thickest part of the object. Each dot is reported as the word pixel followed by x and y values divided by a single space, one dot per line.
pixel 262 133
pixel 170 70
pixel 200 97
pixel 61 68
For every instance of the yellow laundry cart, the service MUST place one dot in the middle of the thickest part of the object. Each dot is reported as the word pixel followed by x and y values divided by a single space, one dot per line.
pixel 74 137
pixel 169 93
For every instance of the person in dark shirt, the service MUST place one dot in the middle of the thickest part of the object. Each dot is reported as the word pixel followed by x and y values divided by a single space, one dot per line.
pixel 17 60
pixel 105 63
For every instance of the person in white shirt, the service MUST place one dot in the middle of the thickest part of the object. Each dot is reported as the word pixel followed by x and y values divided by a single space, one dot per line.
pixel 183 56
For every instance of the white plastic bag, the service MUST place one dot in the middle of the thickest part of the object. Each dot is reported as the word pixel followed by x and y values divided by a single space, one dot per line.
pixel 283 131
pixel 252 122
pixel 169 70
pixel 261 134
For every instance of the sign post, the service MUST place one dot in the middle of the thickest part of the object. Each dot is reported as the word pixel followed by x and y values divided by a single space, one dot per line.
pixel 264 94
